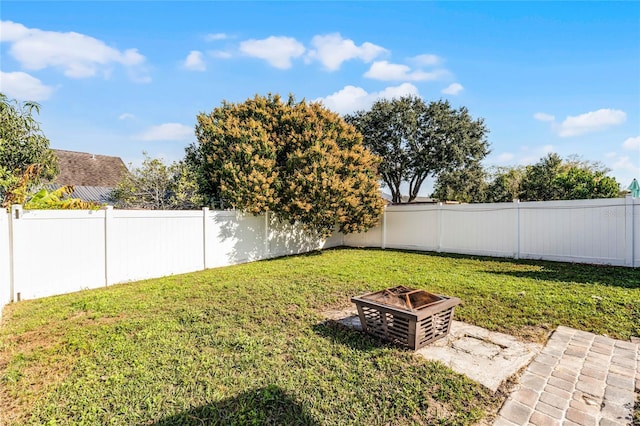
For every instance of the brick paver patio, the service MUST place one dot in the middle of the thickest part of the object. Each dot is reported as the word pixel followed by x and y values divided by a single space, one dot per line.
pixel 579 378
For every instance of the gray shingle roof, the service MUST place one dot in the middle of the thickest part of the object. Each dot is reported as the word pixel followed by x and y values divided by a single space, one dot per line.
pixel 99 194
pixel 84 169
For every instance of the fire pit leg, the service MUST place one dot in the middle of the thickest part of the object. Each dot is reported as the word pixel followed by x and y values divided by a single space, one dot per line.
pixel 412 341
pixel 363 319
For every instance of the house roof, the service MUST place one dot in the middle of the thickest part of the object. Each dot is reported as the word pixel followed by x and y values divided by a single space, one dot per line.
pixel 84 169
pixel 98 194
pixel 417 200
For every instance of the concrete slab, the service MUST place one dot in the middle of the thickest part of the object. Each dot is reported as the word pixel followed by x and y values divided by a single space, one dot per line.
pixel 347 317
pixel 484 356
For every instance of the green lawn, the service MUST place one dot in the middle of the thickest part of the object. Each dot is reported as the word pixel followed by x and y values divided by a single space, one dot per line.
pixel 245 344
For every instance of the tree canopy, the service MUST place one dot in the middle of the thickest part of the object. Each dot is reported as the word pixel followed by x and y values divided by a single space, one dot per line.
pixel 417 140
pixel 158 186
pixel 22 144
pixel 467 185
pixel 296 159
pixel 552 178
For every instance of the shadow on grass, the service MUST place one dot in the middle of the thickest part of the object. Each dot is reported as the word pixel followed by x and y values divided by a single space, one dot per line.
pixel 339 333
pixel 609 276
pixel 264 406
pixel 614 276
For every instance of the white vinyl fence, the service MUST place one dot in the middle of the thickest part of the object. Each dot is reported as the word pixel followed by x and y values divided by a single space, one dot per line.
pixel 50 252
pixel 605 231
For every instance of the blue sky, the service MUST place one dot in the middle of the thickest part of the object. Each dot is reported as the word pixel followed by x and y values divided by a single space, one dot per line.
pixel 118 78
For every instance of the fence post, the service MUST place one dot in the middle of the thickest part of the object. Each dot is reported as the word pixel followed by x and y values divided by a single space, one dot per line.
pixel 439 246
pixel 108 217
pixel 384 227
pixel 516 254
pixel 266 235
pixel 205 219
pixel 16 214
pixel 629 231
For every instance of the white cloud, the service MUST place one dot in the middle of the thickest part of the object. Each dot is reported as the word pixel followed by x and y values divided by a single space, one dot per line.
pixel 166 132
pixel 625 164
pixel 426 60
pixel 77 55
pixel 12 31
pixel 216 36
pixel 385 71
pixel 220 54
pixel 453 89
pixel 591 122
pixel 277 51
pixel 623 168
pixel 332 50
pixel 542 116
pixel 126 116
pixel 23 86
pixel 351 98
pixel 632 144
pixel 194 61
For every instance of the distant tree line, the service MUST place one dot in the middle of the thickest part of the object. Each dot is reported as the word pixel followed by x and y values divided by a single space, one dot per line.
pixel 307 164
pixel 551 178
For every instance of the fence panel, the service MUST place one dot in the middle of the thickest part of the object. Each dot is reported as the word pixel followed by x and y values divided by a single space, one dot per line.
pixel 412 227
pixel 479 229
pixel 371 238
pixel 5 262
pixel 636 229
pixel 148 244
pixel 587 231
pixel 285 239
pixel 56 252
pixel 233 237
pixel 636 232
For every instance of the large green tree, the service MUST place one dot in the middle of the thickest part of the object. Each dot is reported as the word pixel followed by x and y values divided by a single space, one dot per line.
pixel 296 159
pixel 22 144
pixel 553 178
pixel 467 185
pixel 504 184
pixel 157 186
pixel 418 140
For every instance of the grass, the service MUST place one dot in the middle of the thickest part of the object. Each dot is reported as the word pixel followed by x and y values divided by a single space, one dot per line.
pixel 245 344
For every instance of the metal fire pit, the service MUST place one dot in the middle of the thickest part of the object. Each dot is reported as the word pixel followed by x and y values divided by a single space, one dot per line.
pixel 406 315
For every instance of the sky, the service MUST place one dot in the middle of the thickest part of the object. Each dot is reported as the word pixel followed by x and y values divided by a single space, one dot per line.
pixel 122 78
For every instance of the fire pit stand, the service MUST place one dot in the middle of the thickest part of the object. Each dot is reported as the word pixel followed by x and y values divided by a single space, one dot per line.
pixel 405 315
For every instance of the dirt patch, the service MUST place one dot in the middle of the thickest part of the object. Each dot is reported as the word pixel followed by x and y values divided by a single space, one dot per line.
pixel 32 364
pixel 534 333
pixel 34 381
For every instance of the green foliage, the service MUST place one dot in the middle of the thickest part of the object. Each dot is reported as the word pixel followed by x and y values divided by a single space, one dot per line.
pixel 467 185
pixel 22 144
pixel 157 186
pixel 538 182
pixel 58 199
pixel 584 183
pixel 296 159
pixel 552 178
pixel 505 184
pixel 418 140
